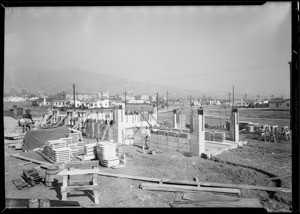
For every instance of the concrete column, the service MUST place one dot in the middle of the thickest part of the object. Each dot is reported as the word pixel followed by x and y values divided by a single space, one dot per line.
pixel 201 131
pixel 175 119
pixel 234 125
pixel 192 121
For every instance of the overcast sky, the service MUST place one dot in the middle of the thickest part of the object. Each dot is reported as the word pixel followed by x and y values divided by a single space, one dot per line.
pixel 193 47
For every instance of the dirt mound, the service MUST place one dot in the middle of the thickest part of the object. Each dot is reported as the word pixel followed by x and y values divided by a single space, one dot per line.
pixel 10 125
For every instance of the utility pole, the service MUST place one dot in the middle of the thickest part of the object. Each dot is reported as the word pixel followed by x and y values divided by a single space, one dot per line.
pixel 157 101
pixel 73 85
pixel 125 97
pixel 232 95
pixel 229 96
pixel 168 99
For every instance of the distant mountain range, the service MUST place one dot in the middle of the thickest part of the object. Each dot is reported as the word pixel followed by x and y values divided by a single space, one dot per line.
pixel 51 81
pixel 55 81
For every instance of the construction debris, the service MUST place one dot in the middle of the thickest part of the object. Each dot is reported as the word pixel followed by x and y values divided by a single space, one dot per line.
pixel 31 176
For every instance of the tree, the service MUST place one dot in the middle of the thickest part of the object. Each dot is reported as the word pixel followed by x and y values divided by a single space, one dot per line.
pixel 32 95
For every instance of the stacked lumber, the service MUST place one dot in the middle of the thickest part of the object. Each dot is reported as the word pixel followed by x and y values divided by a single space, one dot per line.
pixel 90 151
pixel 107 155
pixel 57 150
pixel 73 148
pixel 75 137
pixel 67 139
pixel 58 155
pixel 80 146
pixel 119 150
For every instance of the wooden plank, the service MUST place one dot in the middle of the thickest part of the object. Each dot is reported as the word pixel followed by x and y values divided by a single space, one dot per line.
pixel 30 159
pixel 242 203
pixel 78 164
pixel 129 177
pixel 46 158
pixel 222 185
pixel 96 192
pixel 194 183
pixel 78 172
pixel 201 197
pixel 181 188
pixel 79 188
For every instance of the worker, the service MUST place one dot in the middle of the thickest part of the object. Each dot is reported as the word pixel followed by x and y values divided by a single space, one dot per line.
pixel 147 139
pixel 27 120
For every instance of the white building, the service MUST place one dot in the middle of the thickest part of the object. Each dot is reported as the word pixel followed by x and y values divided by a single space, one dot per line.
pixel 99 103
pixel 136 101
pixel 280 104
pixel 59 103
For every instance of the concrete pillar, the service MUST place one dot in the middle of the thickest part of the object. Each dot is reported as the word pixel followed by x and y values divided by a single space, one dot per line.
pixel 234 125
pixel 192 121
pixel 175 119
pixel 201 131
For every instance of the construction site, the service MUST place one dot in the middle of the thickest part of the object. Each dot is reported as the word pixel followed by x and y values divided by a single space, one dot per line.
pixel 125 157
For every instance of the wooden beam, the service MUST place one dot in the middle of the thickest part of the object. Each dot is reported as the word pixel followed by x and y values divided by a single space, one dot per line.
pixel 30 159
pixel 242 202
pixel 181 188
pixel 46 158
pixel 223 185
pixel 79 188
pixel 78 164
pixel 78 172
pixel 129 177
pixel 195 183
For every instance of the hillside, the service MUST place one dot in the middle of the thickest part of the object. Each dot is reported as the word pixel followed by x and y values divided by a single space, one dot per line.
pixel 86 81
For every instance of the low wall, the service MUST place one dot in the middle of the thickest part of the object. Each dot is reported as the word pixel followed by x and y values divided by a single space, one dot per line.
pixel 165 142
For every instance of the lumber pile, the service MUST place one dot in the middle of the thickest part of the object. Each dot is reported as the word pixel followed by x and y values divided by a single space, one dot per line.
pixel 107 154
pixel 89 152
pixel 57 150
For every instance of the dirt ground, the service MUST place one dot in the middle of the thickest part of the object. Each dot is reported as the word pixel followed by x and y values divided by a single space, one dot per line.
pixel 257 163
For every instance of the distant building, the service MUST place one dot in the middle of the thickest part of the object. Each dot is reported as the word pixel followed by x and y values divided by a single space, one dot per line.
pixel 104 94
pixel 80 96
pixel 99 103
pixel 279 103
pixel 14 99
pixel 241 103
pixel 59 103
pixel 142 97
pixel 136 101
pixel 152 98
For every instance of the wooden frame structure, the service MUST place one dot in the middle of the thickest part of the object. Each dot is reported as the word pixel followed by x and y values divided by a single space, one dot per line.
pixel 71 169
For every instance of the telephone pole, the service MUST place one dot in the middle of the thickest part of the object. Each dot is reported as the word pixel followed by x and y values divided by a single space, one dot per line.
pixel 168 99
pixel 73 85
pixel 125 97
pixel 157 101
pixel 229 96
pixel 232 95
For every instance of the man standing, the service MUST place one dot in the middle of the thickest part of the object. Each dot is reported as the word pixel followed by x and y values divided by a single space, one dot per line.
pixel 147 138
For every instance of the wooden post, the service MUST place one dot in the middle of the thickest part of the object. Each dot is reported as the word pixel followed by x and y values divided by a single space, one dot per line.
pixel 96 192
pixel 65 184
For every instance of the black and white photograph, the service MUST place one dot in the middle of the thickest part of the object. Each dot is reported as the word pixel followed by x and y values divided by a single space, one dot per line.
pixel 166 106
